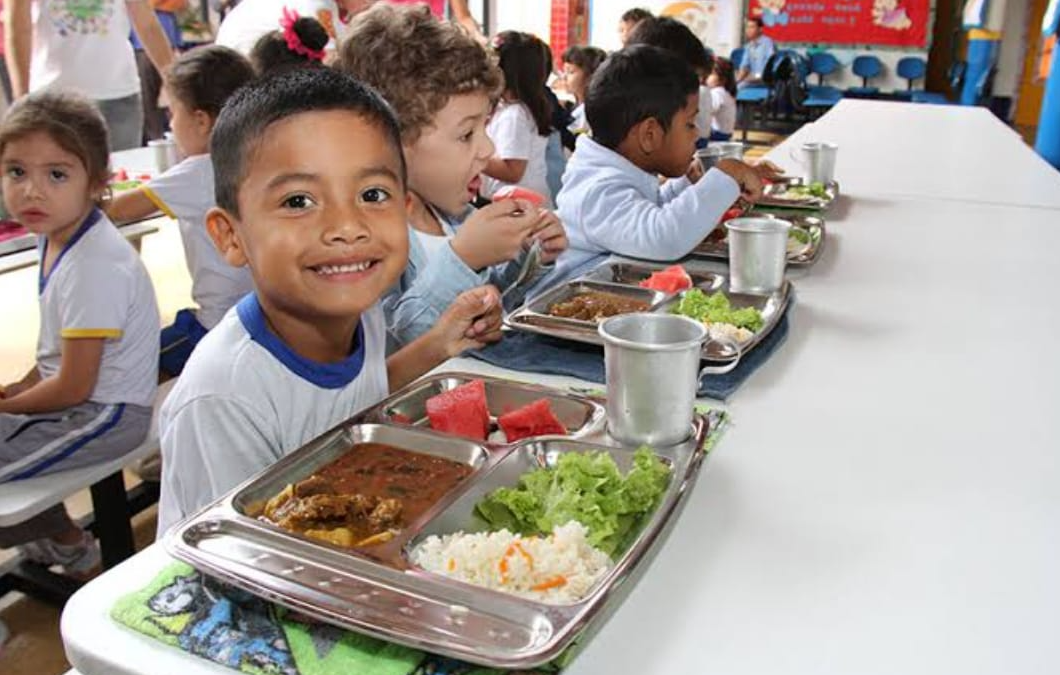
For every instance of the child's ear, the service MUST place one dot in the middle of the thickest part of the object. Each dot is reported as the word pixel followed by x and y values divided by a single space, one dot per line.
pixel 649 135
pixel 221 226
pixel 203 120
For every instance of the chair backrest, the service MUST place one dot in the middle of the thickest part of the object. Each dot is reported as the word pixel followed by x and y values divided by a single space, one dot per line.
pixel 911 68
pixel 736 57
pixel 823 64
pixel 867 67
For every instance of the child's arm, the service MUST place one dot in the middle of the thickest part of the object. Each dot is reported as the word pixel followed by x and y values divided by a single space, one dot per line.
pixel 507 170
pixel 617 218
pixel 129 206
pixel 28 380
pixel 72 385
pixel 473 320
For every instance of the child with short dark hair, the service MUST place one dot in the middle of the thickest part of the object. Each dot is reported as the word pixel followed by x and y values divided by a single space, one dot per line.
pixel 642 106
pixel 197 84
pixel 672 35
pixel 322 228
pixel 579 64
pixel 521 123
pixel 299 43
pixel 88 399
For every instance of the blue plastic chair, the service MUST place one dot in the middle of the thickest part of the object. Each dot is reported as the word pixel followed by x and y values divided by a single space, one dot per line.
pixel 820 95
pixel 866 67
pixel 911 69
pixel 736 57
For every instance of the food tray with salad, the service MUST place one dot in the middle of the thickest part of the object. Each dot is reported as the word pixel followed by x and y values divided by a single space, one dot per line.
pixel 795 193
pixel 701 294
pixel 454 517
pixel 806 241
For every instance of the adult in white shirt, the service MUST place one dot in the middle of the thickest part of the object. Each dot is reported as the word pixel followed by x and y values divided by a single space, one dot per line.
pixel 85 46
pixel 244 25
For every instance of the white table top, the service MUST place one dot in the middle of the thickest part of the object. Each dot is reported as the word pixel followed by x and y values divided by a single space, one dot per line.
pixel 946 152
pixel 886 501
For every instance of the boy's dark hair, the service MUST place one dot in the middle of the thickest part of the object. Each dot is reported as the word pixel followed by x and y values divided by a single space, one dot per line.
pixel 756 20
pixel 271 53
pixel 525 67
pixel 249 113
pixel 635 15
pixel 70 120
pixel 635 84
pixel 675 36
pixel 586 58
pixel 205 77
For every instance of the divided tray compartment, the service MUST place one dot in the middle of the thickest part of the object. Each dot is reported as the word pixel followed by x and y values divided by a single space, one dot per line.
pixel 249 500
pixel 813 226
pixel 527 319
pixel 631 274
pixel 771 198
pixel 378 592
pixel 539 306
pixel 579 415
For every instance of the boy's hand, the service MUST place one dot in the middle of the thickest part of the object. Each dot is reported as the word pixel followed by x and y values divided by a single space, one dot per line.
pixel 745 176
pixel 767 170
pixel 695 171
pixel 550 232
pixel 472 321
pixel 495 233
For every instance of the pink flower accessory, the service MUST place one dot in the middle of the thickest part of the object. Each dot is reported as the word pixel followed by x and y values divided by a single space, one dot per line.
pixel 294 43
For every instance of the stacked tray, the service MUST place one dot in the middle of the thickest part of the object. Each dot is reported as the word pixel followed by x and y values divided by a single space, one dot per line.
pixel 377 590
pixel 806 229
pixel 621 279
pixel 779 195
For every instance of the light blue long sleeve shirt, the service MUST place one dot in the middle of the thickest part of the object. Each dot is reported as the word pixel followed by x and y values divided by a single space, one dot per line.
pixel 610 206
pixel 431 283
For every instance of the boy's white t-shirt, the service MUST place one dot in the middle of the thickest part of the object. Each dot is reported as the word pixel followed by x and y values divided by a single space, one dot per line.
pixel 244 25
pixel 724 110
pixel 245 399
pixel 98 288
pixel 514 133
pixel 186 193
pixel 83 46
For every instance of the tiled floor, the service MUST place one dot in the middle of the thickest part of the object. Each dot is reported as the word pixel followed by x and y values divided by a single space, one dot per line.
pixel 36 647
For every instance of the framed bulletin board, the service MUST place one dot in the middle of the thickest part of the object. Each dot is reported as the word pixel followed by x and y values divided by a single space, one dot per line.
pixel 885 23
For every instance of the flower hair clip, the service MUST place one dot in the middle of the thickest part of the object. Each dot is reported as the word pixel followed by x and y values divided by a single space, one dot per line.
pixel 294 43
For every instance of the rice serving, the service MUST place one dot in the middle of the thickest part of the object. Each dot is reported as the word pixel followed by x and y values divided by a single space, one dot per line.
pixel 557 569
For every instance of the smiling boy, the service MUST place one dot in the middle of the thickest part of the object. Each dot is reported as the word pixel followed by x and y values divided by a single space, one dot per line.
pixel 310 187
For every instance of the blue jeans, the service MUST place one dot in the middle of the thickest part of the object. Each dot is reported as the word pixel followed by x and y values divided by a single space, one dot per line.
pixel 125 121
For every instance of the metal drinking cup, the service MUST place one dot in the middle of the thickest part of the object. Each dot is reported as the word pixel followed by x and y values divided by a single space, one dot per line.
pixel 652 366
pixel 818 161
pixel 715 152
pixel 758 252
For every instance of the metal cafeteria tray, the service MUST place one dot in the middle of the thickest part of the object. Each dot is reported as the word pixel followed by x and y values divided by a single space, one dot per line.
pixel 812 226
pixel 538 306
pixel 773 196
pixel 379 592
pixel 772 307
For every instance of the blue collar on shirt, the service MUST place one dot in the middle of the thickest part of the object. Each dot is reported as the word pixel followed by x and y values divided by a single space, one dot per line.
pixel 323 375
pixel 42 279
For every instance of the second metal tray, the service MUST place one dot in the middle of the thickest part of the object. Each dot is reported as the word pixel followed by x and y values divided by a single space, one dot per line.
pixel 812 226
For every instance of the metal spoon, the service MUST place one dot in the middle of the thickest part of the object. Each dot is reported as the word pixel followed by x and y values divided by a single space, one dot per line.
pixel 528 272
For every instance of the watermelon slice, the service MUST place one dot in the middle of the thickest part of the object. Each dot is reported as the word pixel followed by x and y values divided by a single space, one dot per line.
pixel 534 419
pixel 461 411
pixel 516 192
pixel 734 212
pixel 670 280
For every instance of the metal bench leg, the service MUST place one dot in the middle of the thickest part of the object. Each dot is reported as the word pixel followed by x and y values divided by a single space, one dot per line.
pixel 112 519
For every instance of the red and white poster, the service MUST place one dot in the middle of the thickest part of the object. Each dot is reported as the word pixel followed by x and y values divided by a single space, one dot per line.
pixel 888 23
